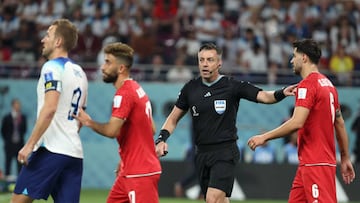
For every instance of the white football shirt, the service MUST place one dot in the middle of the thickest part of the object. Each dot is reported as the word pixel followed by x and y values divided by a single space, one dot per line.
pixel 68 78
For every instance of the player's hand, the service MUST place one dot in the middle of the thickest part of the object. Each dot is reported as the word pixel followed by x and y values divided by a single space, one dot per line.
pixel 117 170
pixel 255 141
pixel 290 90
pixel 347 171
pixel 24 154
pixel 83 117
pixel 161 149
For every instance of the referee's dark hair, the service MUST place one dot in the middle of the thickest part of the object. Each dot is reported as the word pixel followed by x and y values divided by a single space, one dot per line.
pixel 211 46
pixel 309 47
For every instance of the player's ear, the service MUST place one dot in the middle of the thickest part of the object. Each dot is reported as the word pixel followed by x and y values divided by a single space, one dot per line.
pixel 304 57
pixel 59 41
pixel 121 68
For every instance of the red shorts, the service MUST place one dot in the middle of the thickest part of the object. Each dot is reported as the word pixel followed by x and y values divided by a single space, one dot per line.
pixel 135 190
pixel 314 184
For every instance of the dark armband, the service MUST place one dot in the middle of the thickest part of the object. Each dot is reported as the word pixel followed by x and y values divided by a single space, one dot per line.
pixel 163 136
pixel 279 94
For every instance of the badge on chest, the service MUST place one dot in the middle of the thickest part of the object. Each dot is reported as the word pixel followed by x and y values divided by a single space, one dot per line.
pixel 220 106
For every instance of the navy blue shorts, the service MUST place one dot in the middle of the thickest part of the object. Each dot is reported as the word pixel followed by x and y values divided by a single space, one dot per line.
pixel 52 174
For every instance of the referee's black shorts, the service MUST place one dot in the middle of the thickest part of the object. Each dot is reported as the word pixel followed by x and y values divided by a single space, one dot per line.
pixel 215 165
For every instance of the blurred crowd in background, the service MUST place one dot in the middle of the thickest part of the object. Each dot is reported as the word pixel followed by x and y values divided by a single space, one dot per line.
pixel 255 35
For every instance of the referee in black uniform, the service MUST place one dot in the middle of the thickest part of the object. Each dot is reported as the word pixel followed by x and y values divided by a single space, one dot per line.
pixel 213 100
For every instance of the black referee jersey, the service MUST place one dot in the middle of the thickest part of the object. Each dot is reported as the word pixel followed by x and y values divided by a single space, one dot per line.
pixel 213 107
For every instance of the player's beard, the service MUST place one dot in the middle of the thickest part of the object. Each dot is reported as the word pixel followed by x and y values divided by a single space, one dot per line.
pixel 110 78
pixel 296 69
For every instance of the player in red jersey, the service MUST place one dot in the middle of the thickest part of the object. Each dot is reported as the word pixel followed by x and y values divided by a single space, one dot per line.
pixel 132 125
pixel 316 114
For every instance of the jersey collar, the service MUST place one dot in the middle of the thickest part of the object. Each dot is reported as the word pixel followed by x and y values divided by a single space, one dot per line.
pixel 213 82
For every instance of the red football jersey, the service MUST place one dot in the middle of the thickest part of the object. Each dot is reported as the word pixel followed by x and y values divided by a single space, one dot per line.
pixel 136 142
pixel 316 141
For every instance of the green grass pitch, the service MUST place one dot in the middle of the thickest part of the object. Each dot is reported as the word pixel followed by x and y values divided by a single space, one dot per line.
pixel 99 196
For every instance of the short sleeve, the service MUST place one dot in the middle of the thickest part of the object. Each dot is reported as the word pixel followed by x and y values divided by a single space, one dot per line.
pixel 52 75
pixel 305 94
pixel 182 101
